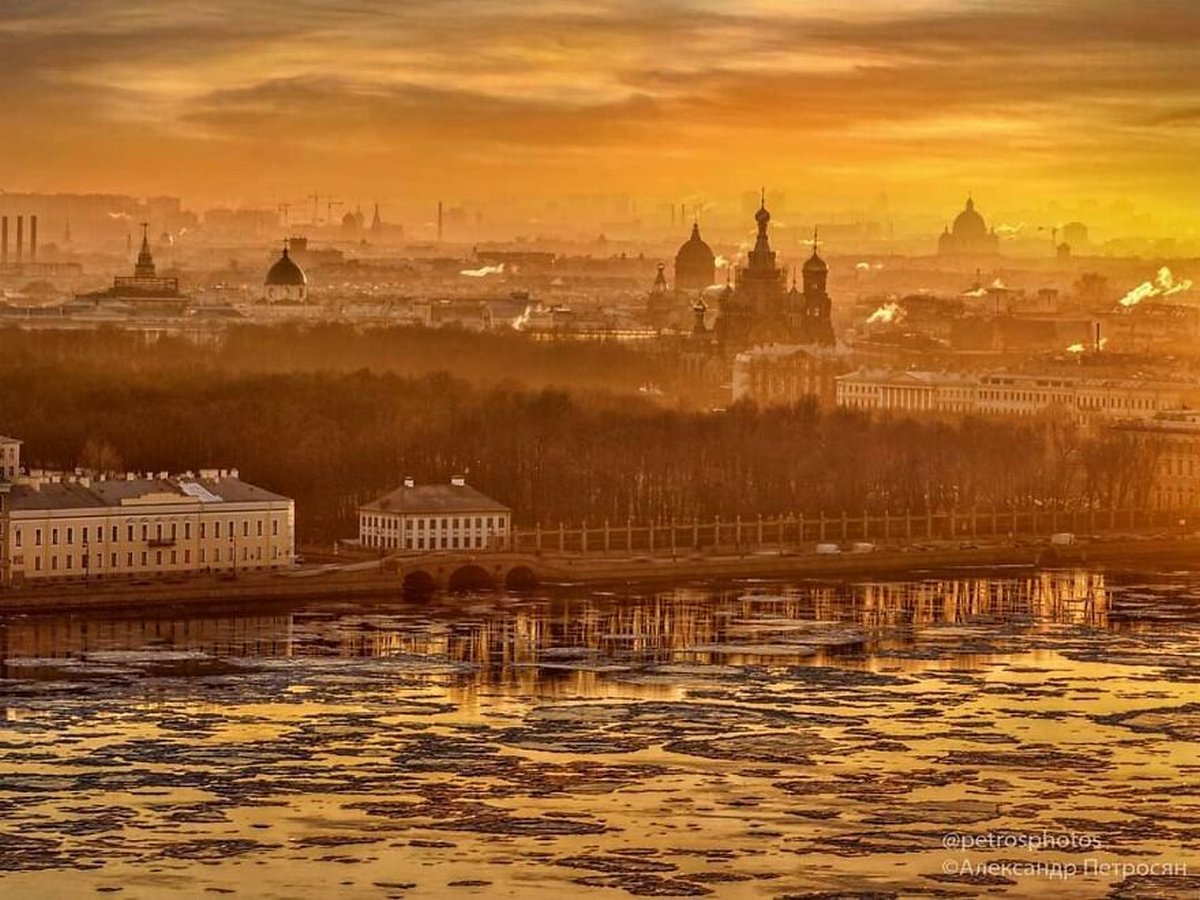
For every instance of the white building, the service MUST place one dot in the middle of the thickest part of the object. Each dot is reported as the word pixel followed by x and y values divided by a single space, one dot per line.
pixel 59 526
pixel 1010 394
pixel 419 518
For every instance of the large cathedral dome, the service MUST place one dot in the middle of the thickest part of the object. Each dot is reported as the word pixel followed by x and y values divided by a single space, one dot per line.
pixel 969 224
pixel 695 263
pixel 286 272
pixel 285 281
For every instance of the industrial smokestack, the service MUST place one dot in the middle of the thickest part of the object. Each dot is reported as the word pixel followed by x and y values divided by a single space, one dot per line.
pixel 20 238
pixel 33 238
pixel 1097 348
pixel 439 221
pixel 3 239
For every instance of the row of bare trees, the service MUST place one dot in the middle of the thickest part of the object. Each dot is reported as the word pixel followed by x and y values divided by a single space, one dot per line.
pixel 335 438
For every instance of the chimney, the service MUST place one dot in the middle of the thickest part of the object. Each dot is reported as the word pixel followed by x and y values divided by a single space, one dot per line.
pixel 1097 337
pixel 439 221
pixel 20 238
pixel 408 482
pixel 33 238
pixel 458 480
pixel 4 239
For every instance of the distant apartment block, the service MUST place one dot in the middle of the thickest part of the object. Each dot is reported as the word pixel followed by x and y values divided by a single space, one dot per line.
pixel 69 526
pixel 1008 394
pixel 420 518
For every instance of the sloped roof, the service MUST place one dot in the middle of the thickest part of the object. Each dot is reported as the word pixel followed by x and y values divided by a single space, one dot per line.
pixel 436 498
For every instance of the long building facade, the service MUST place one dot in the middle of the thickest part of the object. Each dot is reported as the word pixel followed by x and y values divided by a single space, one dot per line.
pixel 57 526
pixel 1011 394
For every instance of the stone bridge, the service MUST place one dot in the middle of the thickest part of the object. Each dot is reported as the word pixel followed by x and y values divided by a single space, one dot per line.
pixel 461 571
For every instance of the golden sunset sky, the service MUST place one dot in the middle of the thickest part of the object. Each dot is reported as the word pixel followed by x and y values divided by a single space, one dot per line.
pixel 257 101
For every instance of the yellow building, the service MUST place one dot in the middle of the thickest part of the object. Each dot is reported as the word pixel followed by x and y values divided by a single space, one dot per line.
pixel 419 518
pixel 60 526
pixel 1175 437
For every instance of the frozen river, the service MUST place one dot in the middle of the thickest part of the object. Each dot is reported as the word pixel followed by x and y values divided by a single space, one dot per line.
pixel 1018 735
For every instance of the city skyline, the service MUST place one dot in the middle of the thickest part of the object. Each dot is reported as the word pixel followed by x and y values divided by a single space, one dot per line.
pixel 258 102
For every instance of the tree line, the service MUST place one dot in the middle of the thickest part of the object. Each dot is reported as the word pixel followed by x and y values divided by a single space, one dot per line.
pixel 335 438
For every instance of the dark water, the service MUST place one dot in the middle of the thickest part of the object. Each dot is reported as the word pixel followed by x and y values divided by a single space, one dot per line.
pixel 1016 736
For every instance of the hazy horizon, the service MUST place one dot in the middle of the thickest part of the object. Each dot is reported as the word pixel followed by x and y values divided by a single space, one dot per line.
pixel 1072 105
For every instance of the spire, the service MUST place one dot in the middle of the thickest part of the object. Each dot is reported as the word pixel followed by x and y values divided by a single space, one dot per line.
pixel 814 253
pixel 144 268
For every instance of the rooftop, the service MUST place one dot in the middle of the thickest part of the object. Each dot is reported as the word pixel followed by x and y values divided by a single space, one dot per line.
pixel 63 492
pixel 436 498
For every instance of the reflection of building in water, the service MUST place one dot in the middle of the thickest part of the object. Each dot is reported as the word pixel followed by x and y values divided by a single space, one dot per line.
pixel 1062 597
pixel 549 646
pixel 59 638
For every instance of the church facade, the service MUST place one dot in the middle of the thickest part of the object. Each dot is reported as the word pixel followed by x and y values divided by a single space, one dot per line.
pixel 760 308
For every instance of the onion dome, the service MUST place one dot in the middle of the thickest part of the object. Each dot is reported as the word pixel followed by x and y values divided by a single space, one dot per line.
pixel 814 264
pixel 285 272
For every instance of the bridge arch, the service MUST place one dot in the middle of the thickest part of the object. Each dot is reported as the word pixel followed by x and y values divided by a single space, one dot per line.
pixel 520 578
pixel 470 577
pixel 418 583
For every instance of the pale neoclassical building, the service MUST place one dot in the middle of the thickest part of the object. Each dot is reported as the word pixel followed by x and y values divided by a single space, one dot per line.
pixel 66 526
pixel 420 518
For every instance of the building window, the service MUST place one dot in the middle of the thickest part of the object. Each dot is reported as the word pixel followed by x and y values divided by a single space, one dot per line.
pixel 54 537
pixel 187 531
pixel 37 537
pixel 274 528
pixel 18 538
pixel 260 527
pixel 112 562
pixel 115 534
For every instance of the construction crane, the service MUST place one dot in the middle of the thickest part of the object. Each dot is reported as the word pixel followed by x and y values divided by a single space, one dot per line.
pixel 316 199
pixel 284 208
pixel 330 203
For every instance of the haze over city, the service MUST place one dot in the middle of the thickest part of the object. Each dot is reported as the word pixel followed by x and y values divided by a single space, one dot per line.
pixel 1087 105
